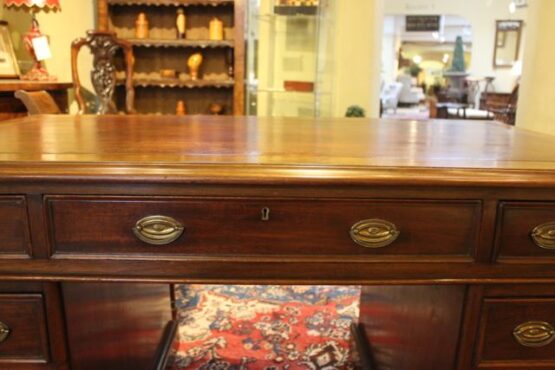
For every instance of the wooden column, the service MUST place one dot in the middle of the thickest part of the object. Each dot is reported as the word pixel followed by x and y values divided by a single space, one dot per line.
pixel 239 59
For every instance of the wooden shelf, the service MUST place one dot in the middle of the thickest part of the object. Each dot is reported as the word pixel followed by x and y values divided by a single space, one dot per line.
pixel 167 43
pixel 177 83
pixel 171 2
pixel 164 51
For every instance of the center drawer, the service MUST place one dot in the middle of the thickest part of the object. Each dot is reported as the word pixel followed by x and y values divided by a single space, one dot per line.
pixel 223 226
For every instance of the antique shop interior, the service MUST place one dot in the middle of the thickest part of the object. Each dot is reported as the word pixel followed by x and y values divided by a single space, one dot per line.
pixel 409 61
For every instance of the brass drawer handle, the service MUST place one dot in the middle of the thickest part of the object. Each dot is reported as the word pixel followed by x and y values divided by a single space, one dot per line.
pixel 534 334
pixel 374 233
pixel 4 332
pixel 544 235
pixel 158 230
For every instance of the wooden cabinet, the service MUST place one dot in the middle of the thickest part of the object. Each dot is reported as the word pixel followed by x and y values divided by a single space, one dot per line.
pixel 162 77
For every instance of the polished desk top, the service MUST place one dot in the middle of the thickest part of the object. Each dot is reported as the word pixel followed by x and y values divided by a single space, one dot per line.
pixel 240 149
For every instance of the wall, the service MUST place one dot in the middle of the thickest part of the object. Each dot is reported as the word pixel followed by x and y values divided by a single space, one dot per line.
pixel 358 27
pixel 537 93
pixel 62 27
pixel 75 18
pixel 482 14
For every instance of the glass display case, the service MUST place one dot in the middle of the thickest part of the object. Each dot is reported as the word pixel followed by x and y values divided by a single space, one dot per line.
pixel 289 58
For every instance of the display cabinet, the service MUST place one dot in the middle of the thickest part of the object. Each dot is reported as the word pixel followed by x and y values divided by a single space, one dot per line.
pixel 290 58
pixel 162 77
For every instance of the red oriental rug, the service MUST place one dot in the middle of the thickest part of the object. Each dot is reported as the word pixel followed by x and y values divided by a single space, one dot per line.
pixel 240 327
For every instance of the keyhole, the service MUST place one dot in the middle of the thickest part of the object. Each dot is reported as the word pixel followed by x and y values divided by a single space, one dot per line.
pixel 265 214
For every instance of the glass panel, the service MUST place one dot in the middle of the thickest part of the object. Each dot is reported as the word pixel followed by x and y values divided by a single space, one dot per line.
pixel 289 69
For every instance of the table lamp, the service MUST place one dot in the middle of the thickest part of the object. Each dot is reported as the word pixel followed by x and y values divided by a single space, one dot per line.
pixel 35 42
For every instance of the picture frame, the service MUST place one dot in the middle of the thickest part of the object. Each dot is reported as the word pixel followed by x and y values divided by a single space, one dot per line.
pixel 9 68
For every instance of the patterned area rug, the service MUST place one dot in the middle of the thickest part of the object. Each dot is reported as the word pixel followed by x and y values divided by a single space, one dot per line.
pixel 240 327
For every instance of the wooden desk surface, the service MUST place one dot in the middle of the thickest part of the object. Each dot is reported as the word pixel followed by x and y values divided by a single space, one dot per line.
pixel 270 149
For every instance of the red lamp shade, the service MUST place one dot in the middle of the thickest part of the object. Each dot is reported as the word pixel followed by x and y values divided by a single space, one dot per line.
pixel 38 4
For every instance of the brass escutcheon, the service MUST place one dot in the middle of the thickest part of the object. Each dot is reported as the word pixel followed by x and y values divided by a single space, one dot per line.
pixel 544 235
pixel 158 230
pixel 4 332
pixel 374 233
pixel 534 334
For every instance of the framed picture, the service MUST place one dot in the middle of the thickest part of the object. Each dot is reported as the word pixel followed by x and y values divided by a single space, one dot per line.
pixel 8 62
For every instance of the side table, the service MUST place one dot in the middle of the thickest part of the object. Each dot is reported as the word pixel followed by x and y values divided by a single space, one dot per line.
pixel 11 107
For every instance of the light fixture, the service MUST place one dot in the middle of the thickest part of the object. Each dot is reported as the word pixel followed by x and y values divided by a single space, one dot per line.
pixel 35 42
pixel 446 58
pixel 417 59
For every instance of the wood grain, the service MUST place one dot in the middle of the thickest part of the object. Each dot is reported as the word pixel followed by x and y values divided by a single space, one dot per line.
pixel 412 328
pixel 14 228
pixel 227 149
pixel 500 317
pixel 516 222
pixel 115 326
pixel 27 341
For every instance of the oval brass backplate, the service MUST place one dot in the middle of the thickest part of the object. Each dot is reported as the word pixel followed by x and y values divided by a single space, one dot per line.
pixel 374 233
pixel 158 230
pixel 544 235
pixel 4 332
pixel 534 334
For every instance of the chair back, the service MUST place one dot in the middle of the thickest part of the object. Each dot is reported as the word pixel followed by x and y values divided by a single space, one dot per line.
pixel 38 102
pixel 103 46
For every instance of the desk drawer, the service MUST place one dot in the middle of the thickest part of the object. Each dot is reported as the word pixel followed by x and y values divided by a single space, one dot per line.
pixel 14 229
pixel 514 330
pixel 23 333
pixel 96 226
pixel 527 231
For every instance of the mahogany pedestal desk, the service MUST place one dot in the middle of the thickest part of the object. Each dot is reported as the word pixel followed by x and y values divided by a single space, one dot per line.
pixel 450 227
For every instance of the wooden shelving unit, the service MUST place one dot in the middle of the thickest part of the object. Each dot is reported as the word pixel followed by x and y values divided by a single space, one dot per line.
pixel 221 79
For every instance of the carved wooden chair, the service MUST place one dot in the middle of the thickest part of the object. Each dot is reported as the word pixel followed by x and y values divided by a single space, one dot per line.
pixel 38 102
pixel 103 46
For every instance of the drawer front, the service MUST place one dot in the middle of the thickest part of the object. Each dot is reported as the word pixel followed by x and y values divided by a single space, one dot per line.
pixel 14 228
pixel 517 329
pixel 527 231
pixel 23 333
pixel 97 226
